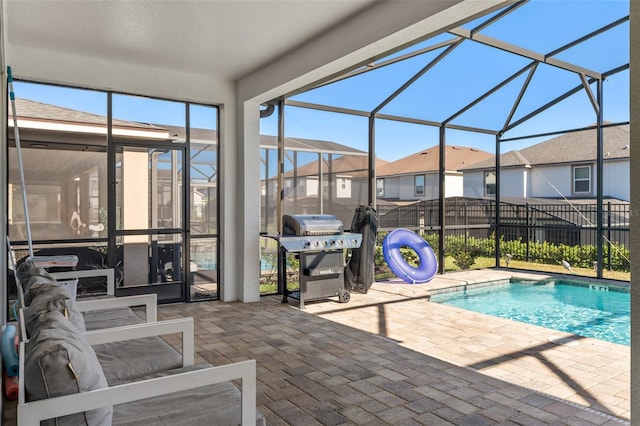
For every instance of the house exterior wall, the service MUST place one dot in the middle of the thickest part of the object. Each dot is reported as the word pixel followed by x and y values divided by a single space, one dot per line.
pixel 453 185
pixel 312 187
pixel 343 187
pixel 431 187
pixel 615 180
pixel 391 187
pixel 559 176
pixel 360 190
pixel 513 182
pixel 406 187
pixel 403 187
pixel 552 181
pixel 473 184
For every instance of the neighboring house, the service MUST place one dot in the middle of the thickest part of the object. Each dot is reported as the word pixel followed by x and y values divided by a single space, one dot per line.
pixel 416 177
pixel 564 166
pixel 342 170
pixel 320 177
pixel 344 176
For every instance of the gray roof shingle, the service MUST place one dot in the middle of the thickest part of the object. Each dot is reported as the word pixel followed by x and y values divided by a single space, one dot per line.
pixel 26 108
pixel 573 147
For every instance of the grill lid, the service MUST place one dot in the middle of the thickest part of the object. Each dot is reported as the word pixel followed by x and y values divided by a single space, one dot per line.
pixel 311 224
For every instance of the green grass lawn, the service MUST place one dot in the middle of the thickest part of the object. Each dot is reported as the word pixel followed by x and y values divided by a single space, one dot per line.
pixel 483 263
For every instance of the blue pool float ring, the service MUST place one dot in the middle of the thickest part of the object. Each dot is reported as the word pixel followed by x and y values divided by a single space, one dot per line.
pixel 405 238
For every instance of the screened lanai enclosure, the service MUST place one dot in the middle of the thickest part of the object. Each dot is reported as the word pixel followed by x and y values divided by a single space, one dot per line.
pixel 480 139
pixel 105 184
pixel 543 113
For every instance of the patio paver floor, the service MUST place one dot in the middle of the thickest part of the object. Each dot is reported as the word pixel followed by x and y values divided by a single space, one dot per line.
pixel 392 357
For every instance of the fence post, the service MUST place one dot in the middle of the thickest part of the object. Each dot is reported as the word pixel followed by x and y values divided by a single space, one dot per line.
pixel 609 257
pixel 466 225
pixel 528 229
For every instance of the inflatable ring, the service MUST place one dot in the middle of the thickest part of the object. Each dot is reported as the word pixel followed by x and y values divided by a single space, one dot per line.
pixel 404 238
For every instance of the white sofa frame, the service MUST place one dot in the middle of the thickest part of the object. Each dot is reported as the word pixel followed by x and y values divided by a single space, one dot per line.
pixel 89 273
pixel 33 412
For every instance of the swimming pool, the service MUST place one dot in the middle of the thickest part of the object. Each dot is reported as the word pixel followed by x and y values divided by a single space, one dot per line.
pixel 586 310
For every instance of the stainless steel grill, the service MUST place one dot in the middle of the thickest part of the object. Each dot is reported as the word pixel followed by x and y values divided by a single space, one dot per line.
pixel 319 242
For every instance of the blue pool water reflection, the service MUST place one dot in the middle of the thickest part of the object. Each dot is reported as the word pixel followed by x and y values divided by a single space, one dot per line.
pixel 557 305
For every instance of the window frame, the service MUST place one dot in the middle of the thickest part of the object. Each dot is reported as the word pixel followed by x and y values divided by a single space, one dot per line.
pixel 415 185
pixel 574 180
pixel 380 187
pixel 485 184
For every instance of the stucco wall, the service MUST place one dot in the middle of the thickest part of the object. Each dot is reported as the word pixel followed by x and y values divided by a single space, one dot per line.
pixel 615 180
pixel 513 183
pixel 453 186
pixel 552 181
pixel 473 184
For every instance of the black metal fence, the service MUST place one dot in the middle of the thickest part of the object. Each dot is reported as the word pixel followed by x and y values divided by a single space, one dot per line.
pixel 540 232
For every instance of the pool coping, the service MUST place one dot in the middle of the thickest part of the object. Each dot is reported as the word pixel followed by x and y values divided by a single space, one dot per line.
pixel 445 286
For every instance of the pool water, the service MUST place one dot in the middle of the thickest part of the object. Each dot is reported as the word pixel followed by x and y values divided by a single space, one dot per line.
pixel 557 305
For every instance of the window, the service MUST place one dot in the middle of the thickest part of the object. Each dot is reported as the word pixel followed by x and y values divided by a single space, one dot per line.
pixel 418 181
pixel 582 179
pixel 489 183
pixel 380 187
pixel 343 183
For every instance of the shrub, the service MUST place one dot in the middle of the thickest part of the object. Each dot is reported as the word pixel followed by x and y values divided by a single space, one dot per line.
pixel 465 249
pixel 464 253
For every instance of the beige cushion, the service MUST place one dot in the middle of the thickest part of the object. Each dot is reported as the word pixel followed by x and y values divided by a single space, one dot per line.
pixel 51 297
pixel 32 277
pixel 109 318
pixel 217 404
pixel 59 361
pixel 42 294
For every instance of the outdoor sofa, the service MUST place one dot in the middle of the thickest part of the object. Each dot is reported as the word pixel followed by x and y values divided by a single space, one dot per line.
pixel 100 362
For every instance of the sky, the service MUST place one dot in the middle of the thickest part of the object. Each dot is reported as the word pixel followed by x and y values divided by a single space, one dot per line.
pixel 469 71
pixel 456 80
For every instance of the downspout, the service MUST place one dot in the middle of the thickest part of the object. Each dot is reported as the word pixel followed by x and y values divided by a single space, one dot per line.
pixel 268 110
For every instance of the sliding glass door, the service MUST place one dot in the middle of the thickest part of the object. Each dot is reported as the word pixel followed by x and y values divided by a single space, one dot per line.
pixel 149 215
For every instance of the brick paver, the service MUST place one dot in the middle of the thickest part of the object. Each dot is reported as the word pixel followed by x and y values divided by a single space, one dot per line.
pixel 392 357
